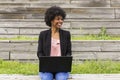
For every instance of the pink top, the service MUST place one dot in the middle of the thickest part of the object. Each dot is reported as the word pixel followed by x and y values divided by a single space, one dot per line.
pixel 55 47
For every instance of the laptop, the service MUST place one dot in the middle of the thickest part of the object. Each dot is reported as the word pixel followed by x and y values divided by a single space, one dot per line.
pixel 55 64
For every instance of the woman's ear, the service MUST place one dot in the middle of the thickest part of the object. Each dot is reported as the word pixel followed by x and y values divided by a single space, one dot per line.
pixel 51 22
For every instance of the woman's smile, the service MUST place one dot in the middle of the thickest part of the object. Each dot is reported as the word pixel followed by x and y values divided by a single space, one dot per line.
pixel 57 22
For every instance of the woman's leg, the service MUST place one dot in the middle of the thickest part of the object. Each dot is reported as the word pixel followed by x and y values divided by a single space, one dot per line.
pixel 46 76
pixel 62 76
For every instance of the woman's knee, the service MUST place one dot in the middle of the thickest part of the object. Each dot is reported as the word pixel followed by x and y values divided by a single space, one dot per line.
pixel 46 76
pixel 62 76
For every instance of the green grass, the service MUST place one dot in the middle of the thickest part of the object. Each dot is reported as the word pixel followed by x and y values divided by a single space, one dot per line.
pixel 87 67
pixel 95 37
pixel 102 35
pixel 96 67
pixel 20 38
pixel 14 67
pixel 85 37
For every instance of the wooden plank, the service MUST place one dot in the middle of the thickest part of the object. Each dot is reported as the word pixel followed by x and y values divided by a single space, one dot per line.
pixel 22 46
pixel 29 24
pixel 39 4
pixel 99 46
pixel 75 13
pixel 4 55
pixel 83 55
pixel 95 24
pixel 67 24
pixel 84 31
pixel 23 13
pixel 96 55
pixel 21 16
pixel 8 35
pixel 66 20
pixel 110 46
pixel 82 50
pixel 23 55
pixel 22 10
pixel 117 13
pixel 21 20
pixel 33 16
pixel 5 0
pixel 86 46
pixel 23 41
pixel 91 42
pixel 92 13
pixel 82 27
pixel 9 31
pixel 19 5
pixel 14 10
pixel 40 25
pixel 29 35
pixel 31 31
pixel 35 1
pixel 108 55
pixel 77 3
pixel 115 3
pixel 4 46
pixel 91 3
pixel 47 5
pixel 12 16
pixel 17 35
pixel 94 27
pixel 115 32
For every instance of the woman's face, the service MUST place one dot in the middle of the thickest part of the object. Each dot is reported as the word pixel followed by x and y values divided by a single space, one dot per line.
pixel 57 22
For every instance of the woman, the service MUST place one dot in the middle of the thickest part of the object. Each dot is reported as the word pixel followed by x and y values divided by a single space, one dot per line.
pixel 55 41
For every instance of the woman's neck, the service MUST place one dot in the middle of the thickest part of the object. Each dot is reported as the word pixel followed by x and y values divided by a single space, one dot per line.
pixel 54 30
pixel 55 33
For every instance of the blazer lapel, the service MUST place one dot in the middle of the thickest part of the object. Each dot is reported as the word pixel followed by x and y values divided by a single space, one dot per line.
pixel 49 42
pixel 61 42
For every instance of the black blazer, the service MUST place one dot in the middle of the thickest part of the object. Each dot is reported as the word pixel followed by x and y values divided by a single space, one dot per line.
pixel 44 43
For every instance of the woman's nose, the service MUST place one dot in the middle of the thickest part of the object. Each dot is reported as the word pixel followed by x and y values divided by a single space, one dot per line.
pixel 61 20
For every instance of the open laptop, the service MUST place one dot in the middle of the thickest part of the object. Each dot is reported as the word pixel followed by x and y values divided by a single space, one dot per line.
pixel 55 64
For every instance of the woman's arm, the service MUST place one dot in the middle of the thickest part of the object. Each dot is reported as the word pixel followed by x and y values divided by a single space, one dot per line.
pixel 40 45
pixel 69 44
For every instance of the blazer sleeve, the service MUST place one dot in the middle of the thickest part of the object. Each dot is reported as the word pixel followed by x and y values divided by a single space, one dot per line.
pixel 40 45
pixel 69 44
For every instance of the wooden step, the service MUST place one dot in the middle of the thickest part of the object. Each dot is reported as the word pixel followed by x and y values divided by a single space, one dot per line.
pixel 80 3
pixel 81 50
